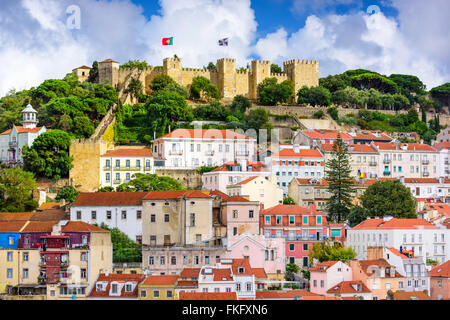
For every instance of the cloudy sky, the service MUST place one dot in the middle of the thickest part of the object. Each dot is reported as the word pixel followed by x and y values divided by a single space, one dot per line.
pixel 42 39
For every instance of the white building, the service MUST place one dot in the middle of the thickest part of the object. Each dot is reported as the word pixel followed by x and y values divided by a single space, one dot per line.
pixel 298 162
pixel 412 268
pixel 118 166
pixel 194 148
pixel 326 275
pixel 409 160
pixel 444 158
pixel 425 187
pixel 13 140
pixel 425 239
pixel 121 210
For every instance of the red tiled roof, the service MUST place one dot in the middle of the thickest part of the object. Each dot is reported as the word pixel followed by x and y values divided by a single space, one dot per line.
pixel 87 199
pixel 190 273
pixel 381 263
pixel 83 67
pixel 289 209
pixel 209 134
pixel 158 195
pixel 220 274
pixel 441 208
pixel 257 166
pixel 326 134
pixel 410 295
pixel 80 226
pixel 49 205
pixel 259 273
pixel 442 270
pixel 128 153
pixel 394 223
pixel 442 145
pixel 348 287
pixel 351 148
pixel 187 283
pixel 410 146
pixel 207 296
pixel 319 297
pixel 38 226
pixel 115 277
pixel 421 180
pixel 160 280
pixel 108 60
pixel 323 266
pixel 50 215
pixel 11 226
pixel 274 294
pixel 15 216
pixel 21 129
pixel 397 253
pixel 237 263
pixel 371 135
pixel 303 153
pixel 247 180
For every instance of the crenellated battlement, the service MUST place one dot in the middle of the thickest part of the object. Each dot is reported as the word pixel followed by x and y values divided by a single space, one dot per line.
pixel 261 62
pixel 245 71
pixel 283 74
pixel 194 69
pixel 294 62
pixel 172 59
pixel 232 60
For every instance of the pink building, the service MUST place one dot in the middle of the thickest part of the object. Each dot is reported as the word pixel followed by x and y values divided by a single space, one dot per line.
pixel 327 274
pixel 440 281
pixel 239 215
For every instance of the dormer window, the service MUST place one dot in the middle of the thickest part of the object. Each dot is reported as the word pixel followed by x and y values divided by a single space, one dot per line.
pixel 241 270
pixel 99 287
pixel 114 288
pixel 128 287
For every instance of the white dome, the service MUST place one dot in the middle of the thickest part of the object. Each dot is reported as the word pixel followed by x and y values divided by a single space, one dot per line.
pixel 29 108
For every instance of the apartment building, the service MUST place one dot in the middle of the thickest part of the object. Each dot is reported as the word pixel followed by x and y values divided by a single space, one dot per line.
pixel 122 210
pixel 444 158
pixel 355 289
pixel 315 138
pixel 298 162
pixel 440 281
pixel 193 148
pixel 113 287
pixel 409 160
pixel 326 275
pixel 369 136
pixel 118 166
pixel 421 236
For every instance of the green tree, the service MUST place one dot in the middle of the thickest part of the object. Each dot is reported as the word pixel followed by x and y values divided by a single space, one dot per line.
pixel 256 118
pixel 140 65
pixel 327 251
pixel 412 116
pixel 341 185
pixel 150 182
pixel 160 82
pixel 356 215
pixel 135 87
pixel 319 114
pixel 202 88
pixel 336 82
pixel 388 198
pixel 239 106
pixel 288 200
pixel 82 127
pixel 212 111
pixel 442 94
pixel 106 189
pixel 291 270
pixel 303 95
pixel 274 68
pixel 376 81
pixel 16 187
pixel 49 155
pixel 69 194
pixel 205 169
pixel 319 96
pixel 211 67
pixel 93 73
pixel 408 82
pixel 124 249
pixel 333 112
pixel 272 93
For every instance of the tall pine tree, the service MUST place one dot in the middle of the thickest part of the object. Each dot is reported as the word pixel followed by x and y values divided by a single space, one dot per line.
pixel 341 184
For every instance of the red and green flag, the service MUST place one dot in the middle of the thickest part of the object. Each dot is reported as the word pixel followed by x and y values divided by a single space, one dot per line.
pixel 167 41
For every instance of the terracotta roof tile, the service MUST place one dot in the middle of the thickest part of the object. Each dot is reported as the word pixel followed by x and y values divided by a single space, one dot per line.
pixel 15 216
pixel 118 278
pixel 108 60
pixel 158 195
pixel 38 226
pixel 21 129
pixel 212 134
pixel 421 180
pixel 160 280
pixel 49 205
pixel 303 153
pixel 246 180
pixel 394 223
pixel 349 287
pixel 82 67
pixel 326 134
pixel 371 135
pixel 128 153
pixel 187 283
pixel 323 266
pixel 89 199
pixel 259 273
pixel 289 209
pixel 207 296
pixel 257 166
pixel 219 274
pixel 366 148
pixel 11 226
pixel 441 208
pixel 80 226
pixel 442 270
pixel 442 145
pixel 411 295
pixel 189 273
pixel 409 146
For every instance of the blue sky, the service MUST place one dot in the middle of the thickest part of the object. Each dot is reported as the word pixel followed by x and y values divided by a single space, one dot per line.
pixel 405 36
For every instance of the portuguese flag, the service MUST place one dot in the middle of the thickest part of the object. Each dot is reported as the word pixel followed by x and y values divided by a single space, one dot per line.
pixel 167 41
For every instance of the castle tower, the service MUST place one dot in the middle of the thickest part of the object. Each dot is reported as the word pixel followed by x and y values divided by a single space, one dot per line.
pixel 108 70
pixel 302 72
pixel 260 71
pixel 29 117
pixel 172 68
pixel 226 69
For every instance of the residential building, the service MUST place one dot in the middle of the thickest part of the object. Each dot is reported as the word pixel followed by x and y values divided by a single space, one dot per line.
pixel 113 286
pixel 309 191
pixel 378 275
pixel 426 239
pixel 13 140
pixel 122 210
pixel 317 137
pixel 443 136
pixel 158 288
pixel 233 172
pixel 444 157
pixel 368 136
pixel 300 227
pixel 409 160
pixel 404 135
pixel 193 148
pixel 257 188
pixel 440 281
pixel 288 164
pixel 326 275
pixel 127 267
pixel 119 166
pixel 424 187
pixel 349 289
pixel 363 159
pixel 409 295
pixel 435 212
pixel 82 73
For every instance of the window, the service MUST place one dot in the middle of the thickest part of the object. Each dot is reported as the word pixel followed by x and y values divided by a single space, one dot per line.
pixel 83 273
pixel 291 247
pixel 169 294
pixel 250 213
pixel 305 219
pixel 235 231
pixel 143 293
pixel 305 247
pixel 155 293
pixel 117 164
pixel 10 256
pixel 108 215
pixel 151 260
pixel 315 283
pixel 322 283
pixel 173 260
pixel 162 260
pixel 192 219
pixel 278 220
pixel 83 256
pixel 192 147
pixel 166 218
pixel 78 215
pixel 388 285
pixel 138 164
pixel 235 214
pixel 400 284
pixel 138 214
pixel 206 259
pixel 9 273
pixel 291 219
pixel 267 220
pixel 238 287
pixel 249 286
pixel 196 260
pixel 319 220
pixel 127 177
pixel 25 273
pixel 25 256
pixel 124 214
pixel 108 177
pixel 108 164
pixel 94 215
pixel 152 218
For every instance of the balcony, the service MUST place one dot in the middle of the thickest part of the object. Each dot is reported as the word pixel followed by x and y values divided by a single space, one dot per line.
pixel 425 174
pixel 387 173
pixel 147 168
pixel 386 161
pixel 425 161
pixel 372 164
pixel 209 152
pixel 12 144
pixel 175 152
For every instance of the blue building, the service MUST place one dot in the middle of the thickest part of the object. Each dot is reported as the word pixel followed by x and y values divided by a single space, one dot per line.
pixel 9 234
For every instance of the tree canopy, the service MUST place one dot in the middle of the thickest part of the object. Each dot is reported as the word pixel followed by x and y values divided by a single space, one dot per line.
pixel 124 249
pixel 150 182
pixel 202 88
pixel 16 188
pixel 272 93
pixel 327 251
pixel 69 194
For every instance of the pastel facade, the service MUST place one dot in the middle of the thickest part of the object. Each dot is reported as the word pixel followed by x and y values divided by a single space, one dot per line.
pixel 444 157
pixel 158 288
pixel 116 287
pixel 440 281
pixel 351 289
pixel 118 166
pixel 82 73
pixel 194 148
pixel 327 274
pixel 257 188
pixel 13 140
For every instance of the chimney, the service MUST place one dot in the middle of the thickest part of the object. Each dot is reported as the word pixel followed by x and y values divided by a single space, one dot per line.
pixel 296 148
pixel 243 164
pixel 106 272
pixel 312 207
pixel 387 218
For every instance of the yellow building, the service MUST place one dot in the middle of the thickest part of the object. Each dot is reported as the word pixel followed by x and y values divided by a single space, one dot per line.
pixel 127 268
pixel 258 188
pixel 118 166
pixel 158 288
pixel 9 269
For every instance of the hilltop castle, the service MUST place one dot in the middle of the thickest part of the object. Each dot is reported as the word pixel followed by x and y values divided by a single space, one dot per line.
pixel 227 78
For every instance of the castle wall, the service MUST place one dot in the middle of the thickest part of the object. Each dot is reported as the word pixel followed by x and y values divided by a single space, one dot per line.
pixel 242 82
pixel 188 74
pixel 279 76
pixel 109 71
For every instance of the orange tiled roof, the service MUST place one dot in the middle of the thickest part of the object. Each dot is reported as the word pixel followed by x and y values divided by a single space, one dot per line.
pixel 38 226
pixel 290 209
pixel 381 263
pixel 15 216
pixel 351 148
pixel 348 287
pixel 257 166
pixel 158 195
pixel 410 295
pixel 371 135
pixel 190 273
pixel 237 263
pixel 160 280
pixel 21 129
pixel 118 278
pixel 247 180
pixel 128 153
pixel 207 296
pixel 421 180
pixel 441 208
pixel 220 274
pixel 303 153
pixel 80 226
pixel 394 223
pixel 326 134
pixel 50 215
pixel 259 273
pixel 87 199
pixel 397 253
pixel 323 266
pixel 442 270
pixel 11 226
pixel 274 294
pixel 49 205
pixel 108 60
pixel 187 283
pixel 442 145
pixel 83 67
pixel 409 146
pixel 210 134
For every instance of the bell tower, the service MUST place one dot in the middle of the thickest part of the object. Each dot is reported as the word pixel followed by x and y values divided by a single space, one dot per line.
pixel 29 117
